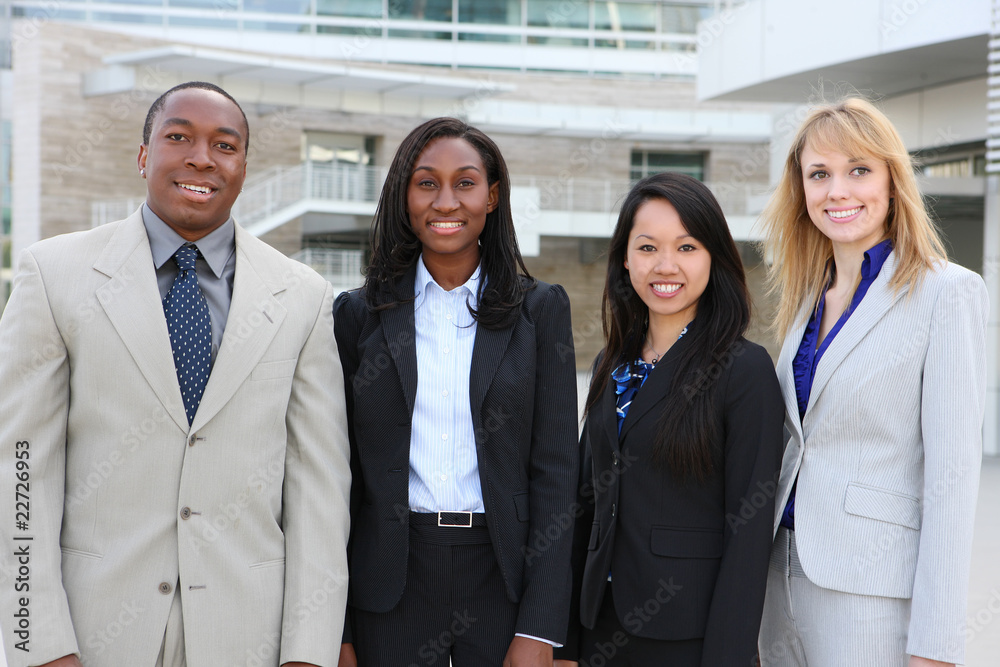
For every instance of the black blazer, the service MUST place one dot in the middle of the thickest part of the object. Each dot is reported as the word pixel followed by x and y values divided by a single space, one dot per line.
pixel 687 560
pixel 522 388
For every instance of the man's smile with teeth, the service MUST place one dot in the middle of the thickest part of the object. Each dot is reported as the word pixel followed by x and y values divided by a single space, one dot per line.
pixel 666 289
pixel 195 188
pixel 844 214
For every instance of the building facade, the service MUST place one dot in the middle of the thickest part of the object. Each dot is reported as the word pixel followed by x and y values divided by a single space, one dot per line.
pixel 931 65
pixel 583 98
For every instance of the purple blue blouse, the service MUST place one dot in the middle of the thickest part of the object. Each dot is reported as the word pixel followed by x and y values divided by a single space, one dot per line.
pixel 807 358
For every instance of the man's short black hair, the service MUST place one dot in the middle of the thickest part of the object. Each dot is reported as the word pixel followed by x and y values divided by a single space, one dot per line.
pixel 157 106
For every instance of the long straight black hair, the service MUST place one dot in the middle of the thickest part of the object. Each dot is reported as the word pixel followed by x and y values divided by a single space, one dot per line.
pixel 686 430
pixel 395 248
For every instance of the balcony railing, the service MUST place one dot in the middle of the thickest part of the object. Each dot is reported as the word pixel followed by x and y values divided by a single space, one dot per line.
pixel 342 267
pixel 285 190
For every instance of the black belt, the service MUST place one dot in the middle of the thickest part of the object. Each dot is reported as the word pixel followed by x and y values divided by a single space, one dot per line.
pixel 448 519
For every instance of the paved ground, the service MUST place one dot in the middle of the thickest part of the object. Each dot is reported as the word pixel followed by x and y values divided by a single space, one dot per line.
pixel 984 587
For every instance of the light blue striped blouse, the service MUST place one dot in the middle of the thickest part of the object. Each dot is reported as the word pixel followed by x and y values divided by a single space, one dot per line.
pixel 444 471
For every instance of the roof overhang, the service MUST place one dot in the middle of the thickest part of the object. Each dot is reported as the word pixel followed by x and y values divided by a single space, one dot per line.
pixel 121 70
pixel 885 74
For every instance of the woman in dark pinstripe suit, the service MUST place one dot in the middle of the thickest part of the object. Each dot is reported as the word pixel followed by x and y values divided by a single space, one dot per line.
pixel 462 412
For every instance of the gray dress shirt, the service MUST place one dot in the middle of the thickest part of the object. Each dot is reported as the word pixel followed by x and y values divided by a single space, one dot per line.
pixel 215 268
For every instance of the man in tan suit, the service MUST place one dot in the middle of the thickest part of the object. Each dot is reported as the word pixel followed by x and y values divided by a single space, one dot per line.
pixel 173 450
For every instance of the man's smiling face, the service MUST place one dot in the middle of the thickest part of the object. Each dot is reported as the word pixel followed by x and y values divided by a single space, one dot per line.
pixel 195 161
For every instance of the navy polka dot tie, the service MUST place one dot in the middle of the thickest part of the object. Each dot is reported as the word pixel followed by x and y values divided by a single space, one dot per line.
pixel 190 329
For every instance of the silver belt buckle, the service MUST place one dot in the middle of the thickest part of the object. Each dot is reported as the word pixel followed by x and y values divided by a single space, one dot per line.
pixel 454 525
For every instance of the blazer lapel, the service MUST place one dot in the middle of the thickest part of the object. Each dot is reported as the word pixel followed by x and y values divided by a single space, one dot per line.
pixel 398 327
pixel 131 300
pixel 786 373
pixel 658 383
pixel 487 352
pixel 255 316
pixel 873 307
pixel 608 411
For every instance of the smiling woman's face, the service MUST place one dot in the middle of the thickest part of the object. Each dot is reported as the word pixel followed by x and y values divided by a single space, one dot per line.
pixel 669 269
pixel 447 199
pixel 847 197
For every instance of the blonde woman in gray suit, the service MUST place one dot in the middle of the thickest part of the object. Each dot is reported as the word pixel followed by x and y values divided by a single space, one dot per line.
pixel 882 371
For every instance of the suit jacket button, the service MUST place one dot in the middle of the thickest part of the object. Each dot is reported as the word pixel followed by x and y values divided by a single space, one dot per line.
pixel 614 508
pixel 615 460
pixel 191 440
pixel 166 588
pixel 185 513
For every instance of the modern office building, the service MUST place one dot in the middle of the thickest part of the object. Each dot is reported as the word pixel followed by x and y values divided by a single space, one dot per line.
pixel 934 68
pixel 583 97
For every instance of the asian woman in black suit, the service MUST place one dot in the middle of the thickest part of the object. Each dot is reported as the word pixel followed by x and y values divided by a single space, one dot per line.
pixel 681 446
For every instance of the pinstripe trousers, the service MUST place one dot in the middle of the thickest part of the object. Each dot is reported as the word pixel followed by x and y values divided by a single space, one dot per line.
pixel 805 625
pixel 454 606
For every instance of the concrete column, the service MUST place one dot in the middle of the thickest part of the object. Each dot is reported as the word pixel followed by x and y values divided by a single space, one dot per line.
pixel 991 274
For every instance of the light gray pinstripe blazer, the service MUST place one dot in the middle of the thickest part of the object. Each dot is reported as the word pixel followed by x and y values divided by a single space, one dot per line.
pixel 887 455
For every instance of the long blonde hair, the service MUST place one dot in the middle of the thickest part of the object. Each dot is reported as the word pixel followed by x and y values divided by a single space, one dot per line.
pixel 801 253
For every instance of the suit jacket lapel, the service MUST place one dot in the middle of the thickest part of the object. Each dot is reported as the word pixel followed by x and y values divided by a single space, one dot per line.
pixel 487 352
pixel 658 383
pixel 608 411
pixel 399 329
pixel 873 307
pixel 786 374
pixel 255 316
pixel 131 300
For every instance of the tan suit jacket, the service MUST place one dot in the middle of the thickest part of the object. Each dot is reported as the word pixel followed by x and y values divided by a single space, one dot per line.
pixel 247 508
pixel 888 453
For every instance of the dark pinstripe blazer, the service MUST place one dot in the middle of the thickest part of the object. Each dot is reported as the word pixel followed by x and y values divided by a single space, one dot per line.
pixel 522 388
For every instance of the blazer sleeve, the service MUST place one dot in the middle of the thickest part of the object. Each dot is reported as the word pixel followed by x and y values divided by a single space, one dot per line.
pixel 951 417
pixel 753 419
pixel 348 316
pixel 315 514
pixel 34 409
pixel 552 468
pixel 583 513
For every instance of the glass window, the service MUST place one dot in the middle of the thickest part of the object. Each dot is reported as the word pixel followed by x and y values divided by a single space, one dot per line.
pixel 486 37
pixel 559 13
pixel 338 148
pixel 364 8
pixel 957 168
pixel 645 163
pixel 218 5
pixel 118 17
pixel 5 173
pixel 420 34
pixel 269 26
pixel 297 7
pixel 628 16
pixel 497 12
pixel 48 12
pixel 199 22
pixel 683 19
pixel 979 165
pixel 371 31
pixel 427 10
